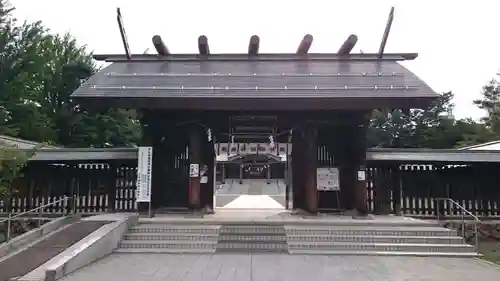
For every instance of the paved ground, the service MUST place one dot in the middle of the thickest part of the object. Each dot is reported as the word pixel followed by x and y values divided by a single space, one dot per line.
pixel 260 267
pixel 232 189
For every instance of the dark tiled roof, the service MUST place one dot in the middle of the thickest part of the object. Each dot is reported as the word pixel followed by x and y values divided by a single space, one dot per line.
pixel 278 77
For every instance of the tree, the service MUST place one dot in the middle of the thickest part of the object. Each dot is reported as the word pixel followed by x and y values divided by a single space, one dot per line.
pixel 19 62
pixel 432 127
pixel 38 72
pixel 12 162
pixel 414 129
pixel 490 102
pixel 70 65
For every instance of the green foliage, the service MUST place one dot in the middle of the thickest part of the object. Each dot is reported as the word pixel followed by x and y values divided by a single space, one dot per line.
pixel 432 127
pixel 12 162
pixel 38 72
pixel 490 102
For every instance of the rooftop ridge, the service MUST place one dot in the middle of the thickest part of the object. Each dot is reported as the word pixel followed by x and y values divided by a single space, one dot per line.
pixel 259 57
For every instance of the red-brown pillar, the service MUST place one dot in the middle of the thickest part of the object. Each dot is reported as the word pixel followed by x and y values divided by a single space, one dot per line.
pixel 311 163
pixel 194 150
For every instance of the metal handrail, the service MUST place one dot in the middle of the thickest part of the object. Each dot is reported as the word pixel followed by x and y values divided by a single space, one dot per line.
pixel 463 210
pixel 10 216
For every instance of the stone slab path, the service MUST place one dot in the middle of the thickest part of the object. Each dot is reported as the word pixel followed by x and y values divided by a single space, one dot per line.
pixel 276 267
pixel 251 194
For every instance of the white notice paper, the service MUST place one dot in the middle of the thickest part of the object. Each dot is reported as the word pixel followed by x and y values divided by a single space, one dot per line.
pixel 194 170
pixel 204 179
pixel 327 179
pixel 361 175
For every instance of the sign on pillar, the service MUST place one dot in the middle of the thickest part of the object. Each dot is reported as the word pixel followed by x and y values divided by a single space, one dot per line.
pixel 194 170
pixel 144 174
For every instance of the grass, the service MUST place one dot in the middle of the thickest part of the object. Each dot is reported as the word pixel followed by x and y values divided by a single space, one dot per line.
pixel 490 251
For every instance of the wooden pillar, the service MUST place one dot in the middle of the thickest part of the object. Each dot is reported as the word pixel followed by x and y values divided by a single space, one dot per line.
pixel 241 173
pixel 158 173
pixel 311 163
pixel 381 196
pixel 207 185
pixel 194 150
pixel 347 170
pixel 268 172
pixel 353 165
pixel 439 182
pixel 287 176
pixel 110 186
pixel 223 173
pixel 211 184
pixel 297 164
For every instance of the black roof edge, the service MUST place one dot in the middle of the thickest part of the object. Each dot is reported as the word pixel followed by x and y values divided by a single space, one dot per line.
pixel 260 57
pixel 405 155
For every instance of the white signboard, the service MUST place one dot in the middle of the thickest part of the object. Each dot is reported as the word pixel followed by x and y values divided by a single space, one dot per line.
pixel 327 179
pixel 144 174
pixel 361 175
pixel 204 179
pixel 194 170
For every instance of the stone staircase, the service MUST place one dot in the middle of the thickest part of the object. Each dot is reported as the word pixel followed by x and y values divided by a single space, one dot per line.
pixel 170 238
pixel 324 237
pixel 369 239
pixel 252 237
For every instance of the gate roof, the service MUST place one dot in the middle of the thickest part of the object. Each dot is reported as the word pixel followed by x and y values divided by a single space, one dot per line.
pixel 265 81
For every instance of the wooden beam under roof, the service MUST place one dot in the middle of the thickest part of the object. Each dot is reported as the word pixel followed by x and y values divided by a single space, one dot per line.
pixel 305 44
pixel 123 34
pixel 203 45
pixel 253 45
pixel 348 45
pixel 386 33
pixel 160 46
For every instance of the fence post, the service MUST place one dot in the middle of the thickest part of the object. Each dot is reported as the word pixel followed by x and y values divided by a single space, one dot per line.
pixel 111 187
pixel 9 225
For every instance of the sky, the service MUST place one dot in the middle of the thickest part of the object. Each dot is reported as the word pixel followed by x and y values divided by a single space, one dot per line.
pixel 457 41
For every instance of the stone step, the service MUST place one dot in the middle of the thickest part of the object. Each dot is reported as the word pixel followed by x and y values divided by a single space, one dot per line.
pixel 169 228
pixel 171 236
pixel 377 239
pixel 325 220
pixel 258 238
pixel 380 247
pixel 248 229
pixel 370 231
pixel 167 244
pixel 252 247
pixel 165 250
pixel 384 253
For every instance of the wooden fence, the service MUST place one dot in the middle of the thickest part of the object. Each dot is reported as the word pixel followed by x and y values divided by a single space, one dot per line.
pixel 92 188
pixel 391 188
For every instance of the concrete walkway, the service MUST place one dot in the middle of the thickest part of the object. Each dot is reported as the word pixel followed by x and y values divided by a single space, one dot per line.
pixel 255 267
pixel 251 194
